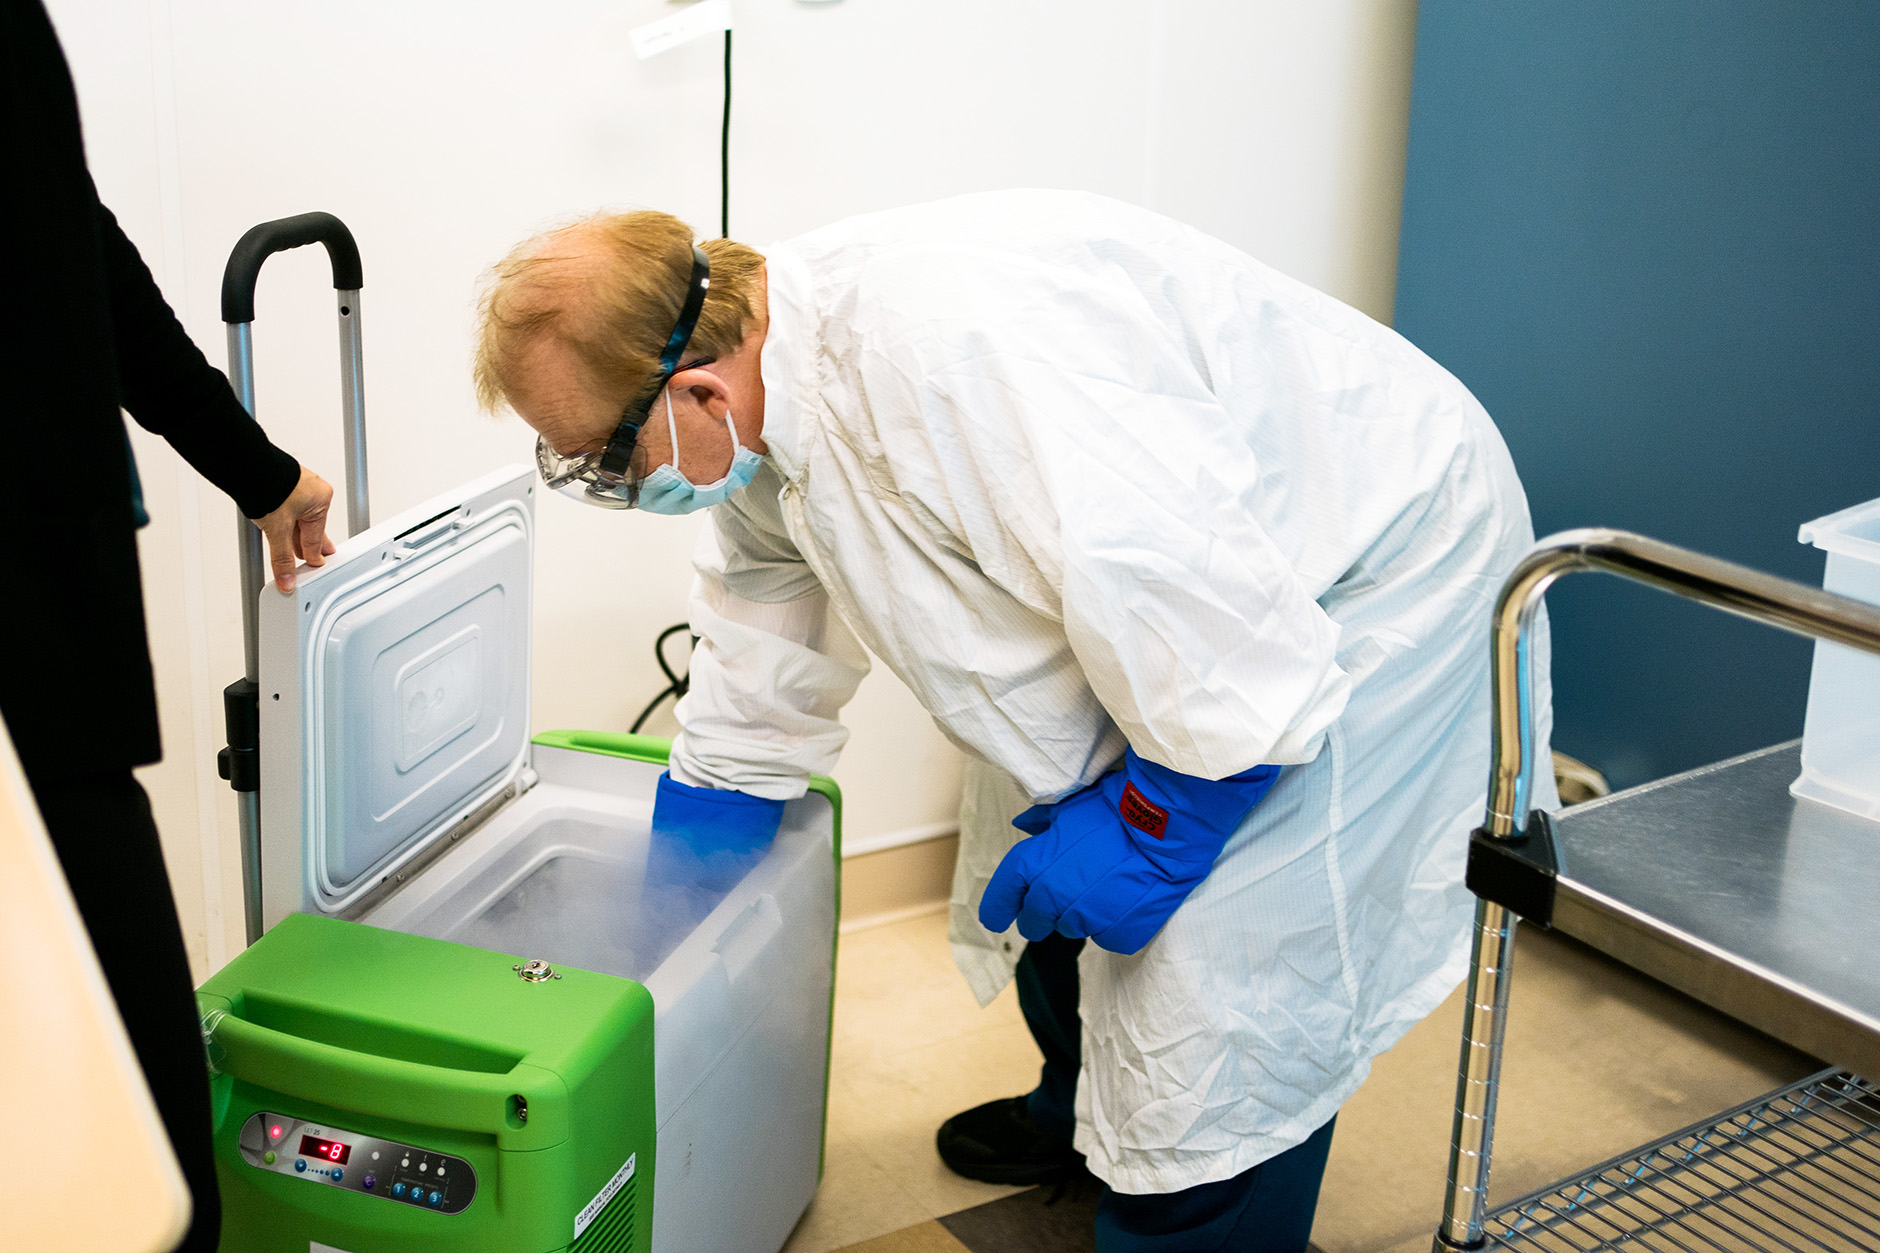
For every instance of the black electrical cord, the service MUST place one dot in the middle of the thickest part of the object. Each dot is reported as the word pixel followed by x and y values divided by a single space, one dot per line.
pixel 676 684
pixel 724 150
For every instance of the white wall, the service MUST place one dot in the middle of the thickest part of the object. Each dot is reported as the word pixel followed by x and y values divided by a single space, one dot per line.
pixel 443 132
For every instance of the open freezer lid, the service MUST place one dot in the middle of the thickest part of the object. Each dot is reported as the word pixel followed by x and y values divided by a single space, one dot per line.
pixel 394 693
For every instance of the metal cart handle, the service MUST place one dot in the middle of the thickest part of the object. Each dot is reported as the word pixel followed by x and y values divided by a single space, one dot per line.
pixel 238 763
pixel 1722 585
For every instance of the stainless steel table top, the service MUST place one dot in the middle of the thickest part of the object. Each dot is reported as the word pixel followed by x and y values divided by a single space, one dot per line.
pixel 1723 885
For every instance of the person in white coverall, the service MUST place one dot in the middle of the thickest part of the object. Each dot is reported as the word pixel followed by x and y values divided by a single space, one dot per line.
pixel 1194 562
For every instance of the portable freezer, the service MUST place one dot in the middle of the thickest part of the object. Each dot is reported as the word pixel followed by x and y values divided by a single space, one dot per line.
pixel 476 1022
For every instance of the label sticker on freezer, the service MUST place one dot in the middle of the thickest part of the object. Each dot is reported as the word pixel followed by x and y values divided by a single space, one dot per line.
pixel 606 1194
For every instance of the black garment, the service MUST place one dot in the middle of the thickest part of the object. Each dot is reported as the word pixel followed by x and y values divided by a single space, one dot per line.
pixel 1266 1208
pixel 1047 996
pixel 1026 1140
pixel 107 844
pixel 84 330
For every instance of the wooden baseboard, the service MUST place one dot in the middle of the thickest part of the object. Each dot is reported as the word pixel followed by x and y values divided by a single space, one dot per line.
pixel 897 883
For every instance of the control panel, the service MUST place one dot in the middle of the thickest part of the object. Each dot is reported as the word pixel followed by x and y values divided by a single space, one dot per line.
pixel 359 1163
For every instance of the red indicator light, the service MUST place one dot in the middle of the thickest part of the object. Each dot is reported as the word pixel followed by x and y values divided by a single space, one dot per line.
pixel 274 1133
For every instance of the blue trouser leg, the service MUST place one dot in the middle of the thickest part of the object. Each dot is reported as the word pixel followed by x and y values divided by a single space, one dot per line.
pixel 1267 1209
pixel 1047 995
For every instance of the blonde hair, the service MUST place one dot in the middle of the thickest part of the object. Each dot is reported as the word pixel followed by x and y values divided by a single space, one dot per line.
pixel 610 286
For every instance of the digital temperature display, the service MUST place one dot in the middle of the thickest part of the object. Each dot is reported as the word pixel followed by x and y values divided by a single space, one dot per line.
pixel 326 1150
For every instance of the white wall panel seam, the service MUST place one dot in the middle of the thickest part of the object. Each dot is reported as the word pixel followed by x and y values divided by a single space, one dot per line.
pixel 204 741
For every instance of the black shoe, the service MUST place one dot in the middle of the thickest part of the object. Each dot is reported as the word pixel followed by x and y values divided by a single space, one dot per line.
pixel 999 1143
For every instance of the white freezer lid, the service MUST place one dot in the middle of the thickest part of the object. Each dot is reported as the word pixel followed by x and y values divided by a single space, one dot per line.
pixel 403 666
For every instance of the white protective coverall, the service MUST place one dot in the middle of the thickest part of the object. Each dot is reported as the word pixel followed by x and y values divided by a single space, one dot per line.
pixel 1082 476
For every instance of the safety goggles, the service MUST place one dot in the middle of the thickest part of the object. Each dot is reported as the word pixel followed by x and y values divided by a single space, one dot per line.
pixel 611 477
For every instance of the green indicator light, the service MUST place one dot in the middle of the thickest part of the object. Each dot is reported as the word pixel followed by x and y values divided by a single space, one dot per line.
pixel 267 1158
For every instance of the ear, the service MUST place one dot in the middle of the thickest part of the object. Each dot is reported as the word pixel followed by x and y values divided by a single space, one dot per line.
pixel 707 390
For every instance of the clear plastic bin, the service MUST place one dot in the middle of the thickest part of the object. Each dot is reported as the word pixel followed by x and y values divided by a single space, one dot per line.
pixel 1841 737
pixel 740 979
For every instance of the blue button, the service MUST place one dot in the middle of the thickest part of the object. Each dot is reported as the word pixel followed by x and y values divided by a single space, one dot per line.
pixel 301 1165
pixel 398 1189
pixel 369 1183
pixel 437 1198
pixel 338 1174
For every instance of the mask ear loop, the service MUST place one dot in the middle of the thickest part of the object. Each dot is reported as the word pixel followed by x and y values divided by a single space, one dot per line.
pixel 672 433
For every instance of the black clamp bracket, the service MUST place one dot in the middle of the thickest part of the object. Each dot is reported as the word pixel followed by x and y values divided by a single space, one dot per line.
pixel 1517 872
pixel 240 762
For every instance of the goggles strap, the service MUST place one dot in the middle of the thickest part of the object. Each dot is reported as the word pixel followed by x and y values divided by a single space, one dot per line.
pixel 617 457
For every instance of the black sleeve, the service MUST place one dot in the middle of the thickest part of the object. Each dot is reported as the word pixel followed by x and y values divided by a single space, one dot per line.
pixel 173 391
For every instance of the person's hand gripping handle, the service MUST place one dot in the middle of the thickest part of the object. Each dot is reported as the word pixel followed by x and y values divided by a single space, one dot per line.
pixel 296 530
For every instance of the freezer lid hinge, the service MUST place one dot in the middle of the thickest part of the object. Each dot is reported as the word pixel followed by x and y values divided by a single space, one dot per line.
pixel 240 762
pixel 1517 872
pixel 525 779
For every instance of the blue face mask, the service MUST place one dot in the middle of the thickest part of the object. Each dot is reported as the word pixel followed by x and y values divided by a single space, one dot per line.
pixel 669 492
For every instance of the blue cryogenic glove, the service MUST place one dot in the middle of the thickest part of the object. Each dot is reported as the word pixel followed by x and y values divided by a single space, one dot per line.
pixel 704 841
pixel 1113 861
pixel 709 837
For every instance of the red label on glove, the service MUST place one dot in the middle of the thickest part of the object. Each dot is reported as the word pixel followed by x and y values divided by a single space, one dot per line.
pixel 1142 813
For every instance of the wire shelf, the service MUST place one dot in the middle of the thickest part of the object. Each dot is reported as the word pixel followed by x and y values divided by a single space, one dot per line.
pixel 1796 1171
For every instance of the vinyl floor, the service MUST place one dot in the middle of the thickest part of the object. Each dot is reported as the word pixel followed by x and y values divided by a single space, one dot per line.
pixel 1598 1060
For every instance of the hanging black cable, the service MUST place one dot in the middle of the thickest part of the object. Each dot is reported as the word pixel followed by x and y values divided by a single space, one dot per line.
pixel 676 683
pixel 724 151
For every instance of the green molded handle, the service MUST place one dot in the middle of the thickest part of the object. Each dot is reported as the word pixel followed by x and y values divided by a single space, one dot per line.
pixel 655 749
pixel 390 1087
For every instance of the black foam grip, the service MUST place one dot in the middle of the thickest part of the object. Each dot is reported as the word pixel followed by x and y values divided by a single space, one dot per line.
pixel 263 241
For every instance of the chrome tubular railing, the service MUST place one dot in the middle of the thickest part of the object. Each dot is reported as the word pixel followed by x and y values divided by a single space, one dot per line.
pixel 1722 585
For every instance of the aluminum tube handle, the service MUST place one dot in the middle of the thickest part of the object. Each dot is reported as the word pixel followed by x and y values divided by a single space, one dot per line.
pixel 239 278
pixel 238 312
pixel 1723 585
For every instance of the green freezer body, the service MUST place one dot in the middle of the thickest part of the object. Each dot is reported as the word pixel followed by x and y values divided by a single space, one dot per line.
pixel 544 1090
pixel 555 1095
pixel 416 850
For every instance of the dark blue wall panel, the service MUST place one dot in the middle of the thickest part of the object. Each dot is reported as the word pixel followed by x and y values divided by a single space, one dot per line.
pixel 1646 233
